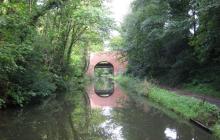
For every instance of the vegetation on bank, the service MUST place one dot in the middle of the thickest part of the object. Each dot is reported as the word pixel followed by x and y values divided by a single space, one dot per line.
pixel 44 43
pixel 175 42
pixel 203 89
pixel 186 107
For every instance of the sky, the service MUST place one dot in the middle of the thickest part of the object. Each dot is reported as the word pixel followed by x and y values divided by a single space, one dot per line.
pixel 119 9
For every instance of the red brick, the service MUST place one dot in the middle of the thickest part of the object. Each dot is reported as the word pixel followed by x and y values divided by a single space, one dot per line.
pixel 111 57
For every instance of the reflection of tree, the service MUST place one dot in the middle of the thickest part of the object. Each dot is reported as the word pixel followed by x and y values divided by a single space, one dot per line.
pixel 67 117
pixel 104 85
pixel 61 118
pixel 96 119
pixel 138 124
pixel 104 72
pixel 152 125
pixel 47 121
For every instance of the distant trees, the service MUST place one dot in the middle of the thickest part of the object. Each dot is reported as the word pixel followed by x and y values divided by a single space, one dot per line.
pixel 174 41
pixel 37 39
pixel 116 43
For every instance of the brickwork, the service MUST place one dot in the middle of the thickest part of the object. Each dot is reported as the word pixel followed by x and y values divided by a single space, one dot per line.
pixel 111 57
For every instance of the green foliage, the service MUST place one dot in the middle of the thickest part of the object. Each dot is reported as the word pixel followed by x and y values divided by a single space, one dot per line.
pixel 187 107
pixel 217 130
pixel 42 45
pixel 205 89
pixel 103 79
pixel 173 41
pixel 116 43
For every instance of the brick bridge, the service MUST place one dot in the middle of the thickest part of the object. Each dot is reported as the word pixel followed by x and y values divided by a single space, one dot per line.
pixel 112 57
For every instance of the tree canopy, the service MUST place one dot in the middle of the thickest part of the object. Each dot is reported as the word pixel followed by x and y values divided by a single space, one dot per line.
pixel 38 41
pixel 174 41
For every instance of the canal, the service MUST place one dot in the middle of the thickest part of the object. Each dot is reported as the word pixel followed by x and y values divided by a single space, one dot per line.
pixel 102 112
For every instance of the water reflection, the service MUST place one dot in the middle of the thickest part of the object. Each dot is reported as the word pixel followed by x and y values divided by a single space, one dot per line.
pixel 126 119
pixel 67 118
pixel 111 118
pixel 58 118
pixel 104 85
pixel 115 100
pixel 109 125
pixel 171 134
pixel 132 122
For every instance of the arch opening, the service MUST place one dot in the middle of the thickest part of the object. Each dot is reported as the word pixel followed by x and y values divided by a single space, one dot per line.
pixel 104 64
pixel 104 85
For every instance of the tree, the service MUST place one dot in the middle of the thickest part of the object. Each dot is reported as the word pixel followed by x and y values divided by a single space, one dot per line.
pixel 116 43
pixel 37 41
pixel 173 41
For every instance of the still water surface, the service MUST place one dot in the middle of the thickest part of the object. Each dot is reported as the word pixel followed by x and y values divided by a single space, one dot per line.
pixel 113 117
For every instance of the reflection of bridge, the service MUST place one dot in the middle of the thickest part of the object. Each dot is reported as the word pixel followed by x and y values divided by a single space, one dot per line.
pixel 106 60
pixel 111 57
pixel 115 100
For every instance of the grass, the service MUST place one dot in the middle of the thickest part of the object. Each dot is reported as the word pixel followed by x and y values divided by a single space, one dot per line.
pixel 186 107
pixel 203 89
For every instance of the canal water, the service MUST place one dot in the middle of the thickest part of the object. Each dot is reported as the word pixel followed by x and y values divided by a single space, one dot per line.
pixel 108 115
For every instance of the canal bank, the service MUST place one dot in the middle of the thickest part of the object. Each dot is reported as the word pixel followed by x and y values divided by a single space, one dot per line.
pixel 186 107
pixel 74 116
pixel 122 117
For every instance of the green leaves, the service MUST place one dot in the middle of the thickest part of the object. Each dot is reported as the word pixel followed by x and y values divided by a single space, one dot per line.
pixel 42 45
pixel 170 40
pixel 116 43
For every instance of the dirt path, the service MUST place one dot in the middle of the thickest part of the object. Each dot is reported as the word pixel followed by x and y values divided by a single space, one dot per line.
pixel 212 100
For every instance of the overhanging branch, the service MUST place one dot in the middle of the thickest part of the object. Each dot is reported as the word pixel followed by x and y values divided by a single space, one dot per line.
pixel 50 5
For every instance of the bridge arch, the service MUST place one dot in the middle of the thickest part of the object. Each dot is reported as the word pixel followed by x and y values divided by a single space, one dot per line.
pixel 112 58
pixel 104 64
